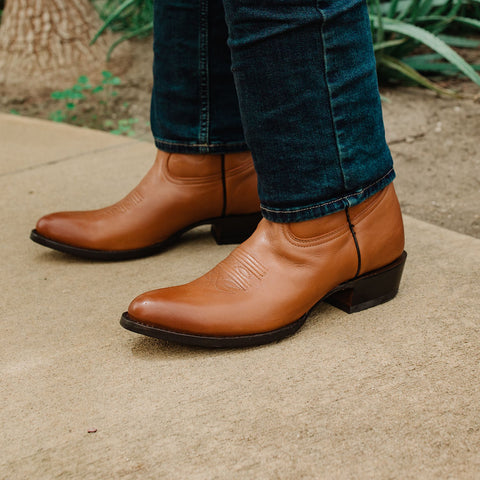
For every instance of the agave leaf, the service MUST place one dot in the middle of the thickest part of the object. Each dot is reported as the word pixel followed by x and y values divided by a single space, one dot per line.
pixel 388 44
pixel 420 8
pixel 441 9
pixel 111 18
pixel 433 62
pixel 407 9
pixel 379 27
pixel 441 68
pixel 128 35
pixel 412 74
pixel 392 9
pixel 430 40
pixel 425 7
pixel 427 57
pixel 460 42
pixel 471 22
pixel 456 6
pixel 444 23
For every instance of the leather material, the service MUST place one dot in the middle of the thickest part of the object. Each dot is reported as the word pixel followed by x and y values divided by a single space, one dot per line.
pixel 378 225
pixel 178 191
pixel 279 273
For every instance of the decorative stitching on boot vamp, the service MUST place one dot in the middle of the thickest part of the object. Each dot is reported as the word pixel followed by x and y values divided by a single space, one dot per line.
pixel 237 272
pixel 128 203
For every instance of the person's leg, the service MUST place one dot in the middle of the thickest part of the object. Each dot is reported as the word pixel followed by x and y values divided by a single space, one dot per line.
pixel 194 103
pixel 306 81
pixel 309 101
pixel 203 172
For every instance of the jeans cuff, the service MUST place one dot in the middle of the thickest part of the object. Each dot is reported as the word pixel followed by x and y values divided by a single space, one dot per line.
pixel 300 214
pixel 195 147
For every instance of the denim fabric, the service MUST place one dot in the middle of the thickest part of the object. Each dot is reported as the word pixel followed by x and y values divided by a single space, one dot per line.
pixel 194 104
pixel 305 78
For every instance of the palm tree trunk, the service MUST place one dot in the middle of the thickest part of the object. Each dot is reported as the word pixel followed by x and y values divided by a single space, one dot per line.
pixel 44 44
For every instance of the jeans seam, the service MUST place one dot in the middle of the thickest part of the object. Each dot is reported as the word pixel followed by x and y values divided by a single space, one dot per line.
pixel 340 199
pixel 192 144
pixel 330 106
pixel 204 74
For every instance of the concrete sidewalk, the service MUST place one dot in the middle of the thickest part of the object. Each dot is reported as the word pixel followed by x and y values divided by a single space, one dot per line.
pixel 389 393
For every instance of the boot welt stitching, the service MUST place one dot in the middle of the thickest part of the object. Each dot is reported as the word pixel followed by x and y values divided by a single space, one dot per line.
pixel 193 144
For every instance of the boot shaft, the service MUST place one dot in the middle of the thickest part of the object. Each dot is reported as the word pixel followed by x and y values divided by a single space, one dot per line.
pixel 376 229
pixel 233 173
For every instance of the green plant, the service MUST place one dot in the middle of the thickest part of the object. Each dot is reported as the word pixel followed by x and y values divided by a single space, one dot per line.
pixel 124 126
pixel 399 27
pixel 103 95
pixel 133 18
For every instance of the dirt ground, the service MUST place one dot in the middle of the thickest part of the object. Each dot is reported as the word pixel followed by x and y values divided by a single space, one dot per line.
pixel 434 140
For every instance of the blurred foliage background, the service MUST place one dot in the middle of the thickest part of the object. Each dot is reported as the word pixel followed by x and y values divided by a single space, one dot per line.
pixel 131 18
pixel 413 39
pixel 399 28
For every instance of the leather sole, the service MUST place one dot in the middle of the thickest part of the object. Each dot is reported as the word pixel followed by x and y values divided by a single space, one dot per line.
pixel 366 291
pixel 225 230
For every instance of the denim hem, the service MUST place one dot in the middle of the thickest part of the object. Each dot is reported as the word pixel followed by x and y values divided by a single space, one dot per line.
pixel 299 214
pixel 195 147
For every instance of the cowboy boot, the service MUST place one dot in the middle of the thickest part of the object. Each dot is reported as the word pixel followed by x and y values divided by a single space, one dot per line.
pixel 264 290
pixel 178 193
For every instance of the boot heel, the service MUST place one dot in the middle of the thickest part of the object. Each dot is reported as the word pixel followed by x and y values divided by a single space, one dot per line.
pixel 235 229
pixel 370 289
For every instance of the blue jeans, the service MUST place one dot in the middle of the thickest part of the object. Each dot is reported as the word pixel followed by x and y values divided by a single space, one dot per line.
pixel 293 81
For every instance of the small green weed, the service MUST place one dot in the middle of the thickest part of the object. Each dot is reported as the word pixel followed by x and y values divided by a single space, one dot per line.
pixel 77 107
pixel 125 126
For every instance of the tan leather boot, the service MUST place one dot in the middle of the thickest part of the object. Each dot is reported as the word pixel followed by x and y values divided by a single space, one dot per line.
pixel 178 193
pixel 264 290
